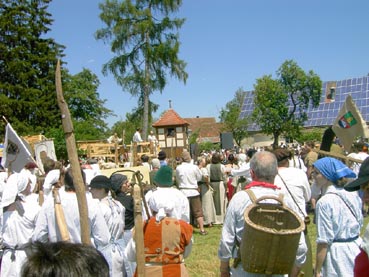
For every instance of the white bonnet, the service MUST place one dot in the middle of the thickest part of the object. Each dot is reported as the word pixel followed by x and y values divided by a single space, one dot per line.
pixel 51 178
pixel 16 183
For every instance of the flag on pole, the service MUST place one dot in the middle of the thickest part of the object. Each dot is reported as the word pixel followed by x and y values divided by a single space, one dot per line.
pixel 15 153
pixel 349 124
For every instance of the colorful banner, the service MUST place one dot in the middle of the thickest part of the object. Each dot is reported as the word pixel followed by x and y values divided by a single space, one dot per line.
pixel 349 124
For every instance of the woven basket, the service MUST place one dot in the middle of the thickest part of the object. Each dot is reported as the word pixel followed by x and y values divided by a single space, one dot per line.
pixel 270 238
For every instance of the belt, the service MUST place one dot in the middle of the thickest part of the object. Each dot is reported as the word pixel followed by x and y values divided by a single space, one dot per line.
pixel 346 240
pixel 13 249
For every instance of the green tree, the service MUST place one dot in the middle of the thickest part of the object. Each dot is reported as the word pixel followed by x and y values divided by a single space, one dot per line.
pixel 280 104
pixel 86 106
pixel 230 117
pixel 141 34
pixel 27 66
pixel 208 146
pixel 87 110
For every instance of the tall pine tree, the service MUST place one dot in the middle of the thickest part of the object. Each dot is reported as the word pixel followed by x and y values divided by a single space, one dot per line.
pixel 27 66
pixel 142 35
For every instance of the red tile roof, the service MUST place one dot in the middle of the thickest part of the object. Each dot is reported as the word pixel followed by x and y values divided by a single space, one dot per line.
pixel 207 127
pixel 170 118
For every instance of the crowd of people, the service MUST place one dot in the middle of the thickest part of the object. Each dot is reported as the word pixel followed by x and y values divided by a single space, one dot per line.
pixel 185 196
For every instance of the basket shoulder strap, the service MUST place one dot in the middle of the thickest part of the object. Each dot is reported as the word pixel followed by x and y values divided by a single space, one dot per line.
pixel 280 197
pixel 251 195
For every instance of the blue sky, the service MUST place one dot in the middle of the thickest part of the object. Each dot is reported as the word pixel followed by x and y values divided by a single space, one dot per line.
pixel 227 45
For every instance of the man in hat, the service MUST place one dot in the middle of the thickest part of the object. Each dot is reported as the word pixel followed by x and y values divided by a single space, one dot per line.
pixel 167 235
pixel 263 169
pixel 187 176
pixel 361 267
pixel 165 190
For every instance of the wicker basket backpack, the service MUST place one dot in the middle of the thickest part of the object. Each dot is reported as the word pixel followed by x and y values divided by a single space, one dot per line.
pixel 270 237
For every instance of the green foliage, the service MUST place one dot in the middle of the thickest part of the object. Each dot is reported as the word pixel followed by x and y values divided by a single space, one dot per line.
pixel 127 127
pixel 193 137
pixel 27 66
pixel 136 115
pixel 208 146
pixel 230 117
pixel 142 35
pixel 314 134
pixel 273 97
pixel 27 79
pixel 87 109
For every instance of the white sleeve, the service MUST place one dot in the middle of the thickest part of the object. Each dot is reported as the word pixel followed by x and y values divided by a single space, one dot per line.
pixel 130 251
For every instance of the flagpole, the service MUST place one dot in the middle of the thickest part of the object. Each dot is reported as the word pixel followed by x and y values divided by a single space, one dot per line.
pixel 4 118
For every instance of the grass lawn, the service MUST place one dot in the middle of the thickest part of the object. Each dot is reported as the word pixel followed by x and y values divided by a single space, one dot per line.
pixel 204 261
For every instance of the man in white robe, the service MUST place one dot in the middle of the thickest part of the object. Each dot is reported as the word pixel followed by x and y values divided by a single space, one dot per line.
pixel 47 230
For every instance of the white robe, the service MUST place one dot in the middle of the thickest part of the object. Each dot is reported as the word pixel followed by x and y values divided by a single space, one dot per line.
pixel 46 229
pixel 17 231
pixel 113 213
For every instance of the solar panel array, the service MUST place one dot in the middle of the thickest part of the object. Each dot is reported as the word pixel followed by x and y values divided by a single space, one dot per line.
pixel 327 111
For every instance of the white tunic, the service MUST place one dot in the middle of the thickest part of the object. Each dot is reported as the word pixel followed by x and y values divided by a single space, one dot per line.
pixel 17 231
pixel 298 184
pixel 113 213
pixel 47 230
pixel 187 176
pixel 181 209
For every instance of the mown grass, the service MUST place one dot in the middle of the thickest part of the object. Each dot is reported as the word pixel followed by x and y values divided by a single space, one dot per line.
pixel 204 261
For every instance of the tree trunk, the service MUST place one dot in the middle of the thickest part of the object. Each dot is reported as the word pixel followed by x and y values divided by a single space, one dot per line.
pixel 276 139
pixel 146 95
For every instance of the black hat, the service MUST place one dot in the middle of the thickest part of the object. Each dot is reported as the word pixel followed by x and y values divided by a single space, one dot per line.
pixel 100 182
pixel 117 180
pixel 362 178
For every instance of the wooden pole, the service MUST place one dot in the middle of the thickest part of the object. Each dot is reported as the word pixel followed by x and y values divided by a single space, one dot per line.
pixel 138 235
pixel 338 156
pixel 73 158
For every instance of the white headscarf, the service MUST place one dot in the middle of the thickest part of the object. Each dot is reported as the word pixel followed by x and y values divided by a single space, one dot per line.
pixel 241 159
pixel 16 183
pixel 162 206
pixel 32 177
pixel 51 178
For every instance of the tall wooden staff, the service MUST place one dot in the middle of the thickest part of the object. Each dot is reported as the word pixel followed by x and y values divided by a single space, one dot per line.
pixel 138 234
pixel 73 158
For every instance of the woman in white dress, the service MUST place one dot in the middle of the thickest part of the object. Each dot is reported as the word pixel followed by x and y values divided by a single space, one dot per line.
pixel 338 220
pixel 19 221
pixel 113 213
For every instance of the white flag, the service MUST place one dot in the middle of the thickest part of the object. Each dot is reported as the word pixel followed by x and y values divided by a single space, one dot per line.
pixel 44 149
pixel 15 153
pixel 349 124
